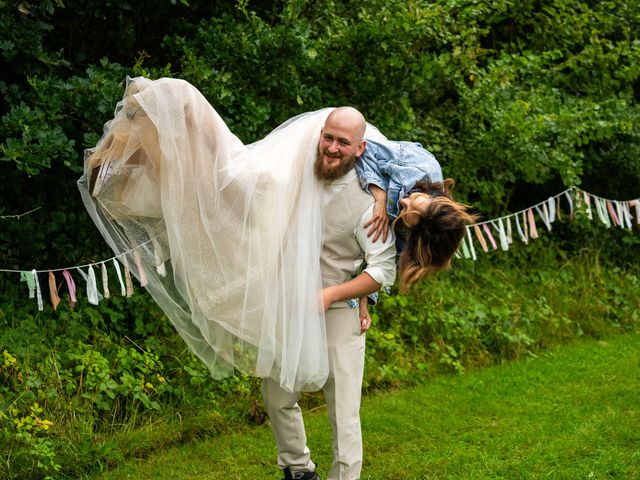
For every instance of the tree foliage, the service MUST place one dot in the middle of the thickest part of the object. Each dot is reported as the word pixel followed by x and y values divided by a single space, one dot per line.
pixel 513 96
pixel 517 98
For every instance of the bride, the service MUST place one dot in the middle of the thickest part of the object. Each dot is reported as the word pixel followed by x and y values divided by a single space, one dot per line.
pixel 225 236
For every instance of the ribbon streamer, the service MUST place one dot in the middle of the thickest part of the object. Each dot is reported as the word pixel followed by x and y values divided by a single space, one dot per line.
pixel 38 292
pixel 465 249
pixel 483 242
pixel 636 203
pixel 105 281
pixel 93 296
pixel 544 215
pixel 570 200
pixel 71 285
pixel 533 232
pixel 587 201
pixel 471 247
pixel 504 244
pixel 612 212
pixel 31 285
pixel 601 209
pixel 626 208
pixel 142 276
pixel 123 290
pixel 551 208
pixel 622 214
pixel 524 239
pixel 127 276
pixel 53 291
pixel 485 227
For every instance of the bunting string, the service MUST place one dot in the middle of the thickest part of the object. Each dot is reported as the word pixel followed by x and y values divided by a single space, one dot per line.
pixel 611 213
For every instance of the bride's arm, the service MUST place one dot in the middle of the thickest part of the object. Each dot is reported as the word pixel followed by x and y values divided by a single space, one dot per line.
pixel 379 221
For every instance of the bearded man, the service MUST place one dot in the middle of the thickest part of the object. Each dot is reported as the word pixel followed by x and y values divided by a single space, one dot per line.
pixel 346 247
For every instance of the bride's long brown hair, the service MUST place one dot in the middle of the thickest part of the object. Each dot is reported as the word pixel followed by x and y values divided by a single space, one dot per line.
pixel 430 244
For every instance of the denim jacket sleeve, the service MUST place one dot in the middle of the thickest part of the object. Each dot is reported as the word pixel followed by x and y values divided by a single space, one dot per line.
pixel 369 170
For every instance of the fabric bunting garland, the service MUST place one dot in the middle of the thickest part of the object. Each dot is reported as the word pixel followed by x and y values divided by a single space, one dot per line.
pixel 610 213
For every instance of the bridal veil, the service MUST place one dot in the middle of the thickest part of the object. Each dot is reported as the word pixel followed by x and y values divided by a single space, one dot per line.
pixel 226 237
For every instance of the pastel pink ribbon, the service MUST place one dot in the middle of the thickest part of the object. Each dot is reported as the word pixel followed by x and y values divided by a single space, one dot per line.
pixel 485 227
pixel 71 286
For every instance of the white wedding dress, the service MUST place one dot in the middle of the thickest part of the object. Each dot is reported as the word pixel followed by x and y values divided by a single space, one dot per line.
pixel 228 235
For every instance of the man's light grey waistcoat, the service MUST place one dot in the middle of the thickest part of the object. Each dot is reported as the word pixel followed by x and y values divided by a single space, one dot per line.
pixel 340 249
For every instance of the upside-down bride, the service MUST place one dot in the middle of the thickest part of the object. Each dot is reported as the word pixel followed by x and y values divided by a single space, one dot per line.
pixel 227 236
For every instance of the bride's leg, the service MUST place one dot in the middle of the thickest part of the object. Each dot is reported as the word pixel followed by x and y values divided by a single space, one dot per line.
pixel 130 140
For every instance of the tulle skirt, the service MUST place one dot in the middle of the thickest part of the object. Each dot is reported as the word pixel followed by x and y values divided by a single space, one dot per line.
pixel 227 235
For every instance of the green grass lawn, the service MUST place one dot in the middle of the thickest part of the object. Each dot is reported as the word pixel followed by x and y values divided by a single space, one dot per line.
pixel 572 413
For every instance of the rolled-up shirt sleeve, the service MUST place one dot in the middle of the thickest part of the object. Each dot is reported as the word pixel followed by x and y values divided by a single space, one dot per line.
pixel 379 256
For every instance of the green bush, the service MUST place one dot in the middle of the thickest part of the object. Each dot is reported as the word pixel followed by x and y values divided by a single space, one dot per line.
pixel 504 306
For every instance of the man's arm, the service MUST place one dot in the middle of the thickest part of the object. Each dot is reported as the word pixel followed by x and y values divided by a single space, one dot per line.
pixel 357 287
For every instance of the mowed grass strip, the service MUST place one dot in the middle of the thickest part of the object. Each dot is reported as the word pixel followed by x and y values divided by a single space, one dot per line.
pixel 571 413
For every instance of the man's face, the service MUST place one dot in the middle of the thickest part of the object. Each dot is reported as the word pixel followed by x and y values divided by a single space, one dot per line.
pixel 338 149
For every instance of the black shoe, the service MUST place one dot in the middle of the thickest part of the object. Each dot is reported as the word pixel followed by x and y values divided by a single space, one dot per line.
pixel 301 475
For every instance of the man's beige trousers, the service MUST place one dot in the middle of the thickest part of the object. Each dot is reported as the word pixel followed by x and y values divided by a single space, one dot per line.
pixel 342 393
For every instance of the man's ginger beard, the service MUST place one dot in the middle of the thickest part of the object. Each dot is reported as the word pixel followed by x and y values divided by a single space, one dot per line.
pixel 328 174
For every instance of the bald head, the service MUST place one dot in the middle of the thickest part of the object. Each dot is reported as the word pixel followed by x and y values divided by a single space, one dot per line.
pixel 341 143
pixel 348 118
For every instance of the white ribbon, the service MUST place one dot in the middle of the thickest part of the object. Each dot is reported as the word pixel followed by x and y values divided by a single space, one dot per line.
pixel 587 201
pixel 471 248
pixel 38 292
pixel 605 212
pixel 520 232
pixel 622 214
pixel 636 203
pixel 552 209
pixel 570 200
pixel 105 281
pixel 123 290
pixel 504 244
pixel 601 210
pixel 544 215
pixel 93 296
pixel 627 215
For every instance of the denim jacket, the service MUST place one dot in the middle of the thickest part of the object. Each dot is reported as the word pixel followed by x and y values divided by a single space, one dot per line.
pixel 396 167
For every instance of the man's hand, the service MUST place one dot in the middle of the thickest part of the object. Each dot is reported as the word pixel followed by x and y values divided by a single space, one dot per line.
pixel 379 221
pixel 365 319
